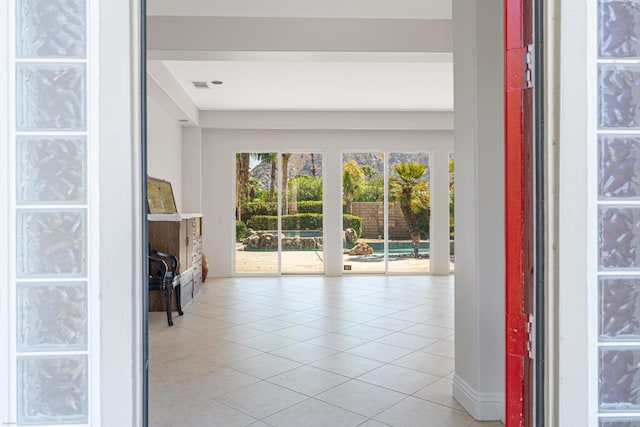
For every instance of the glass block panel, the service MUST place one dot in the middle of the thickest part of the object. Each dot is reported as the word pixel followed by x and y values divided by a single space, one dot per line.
pixel 619 168
pixel 619 379
pixel 48 28
pixel 53 390
pixel 619 29
pixel 52 243
pixel 51 97
pixel 52 170
pixel 619 308
pixel 619 237
pixel 52 316
pixel 619 422
pixel 619 96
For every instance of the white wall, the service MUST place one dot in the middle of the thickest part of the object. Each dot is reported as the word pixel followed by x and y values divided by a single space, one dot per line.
pixel 218 180
pixel 192 170
pixel 480 270
pixel 165 149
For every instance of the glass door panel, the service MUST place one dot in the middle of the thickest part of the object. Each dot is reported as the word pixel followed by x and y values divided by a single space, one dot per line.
pixel 301 206
pixel 363 228
pixel 256 213
pixel 408 210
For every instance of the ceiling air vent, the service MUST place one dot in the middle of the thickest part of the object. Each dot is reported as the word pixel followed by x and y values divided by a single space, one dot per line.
pixel 200 85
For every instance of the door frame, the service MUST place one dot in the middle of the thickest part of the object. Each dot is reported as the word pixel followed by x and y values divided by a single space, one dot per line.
pixel 524 214
pixel 514 391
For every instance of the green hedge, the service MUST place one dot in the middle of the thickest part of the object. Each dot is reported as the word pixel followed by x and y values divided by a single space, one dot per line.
pixel 302 221
pixel 312 206
pixel 252 209
pixel 315 206
pixel 305 221
pixel 352 221
pixel 263 222
pixel 258 208
pixel 241 231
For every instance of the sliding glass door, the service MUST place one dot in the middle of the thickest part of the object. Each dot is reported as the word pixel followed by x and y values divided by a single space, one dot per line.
pixel 363 220
pixel 409 213
pixel 386 217
pixel 257 213
pixel 279 213
pixel 301 222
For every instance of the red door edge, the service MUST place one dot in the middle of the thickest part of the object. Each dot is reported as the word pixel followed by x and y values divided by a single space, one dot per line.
pixel 517 367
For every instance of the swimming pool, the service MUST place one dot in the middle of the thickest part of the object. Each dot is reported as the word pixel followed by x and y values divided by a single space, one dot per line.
pixel 395 247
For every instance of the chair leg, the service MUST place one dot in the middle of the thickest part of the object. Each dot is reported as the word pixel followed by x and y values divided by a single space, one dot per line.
pixel 167 294
pixel 179 299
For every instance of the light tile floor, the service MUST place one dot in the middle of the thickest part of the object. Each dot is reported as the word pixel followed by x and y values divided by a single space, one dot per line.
pixel 308 351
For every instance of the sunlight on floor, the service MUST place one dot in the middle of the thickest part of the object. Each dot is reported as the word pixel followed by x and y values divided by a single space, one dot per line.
pixel 308 351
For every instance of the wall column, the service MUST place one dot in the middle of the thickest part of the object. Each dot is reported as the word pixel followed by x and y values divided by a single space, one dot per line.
pixel 478 140
pixel 122 216
pixel 191 169
pixel 333 212
pixel 439 227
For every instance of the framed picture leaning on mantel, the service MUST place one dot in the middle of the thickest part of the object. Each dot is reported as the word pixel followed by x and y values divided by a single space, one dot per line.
pixel 160 198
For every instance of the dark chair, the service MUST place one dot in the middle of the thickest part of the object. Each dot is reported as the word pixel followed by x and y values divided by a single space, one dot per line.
pixel 163 278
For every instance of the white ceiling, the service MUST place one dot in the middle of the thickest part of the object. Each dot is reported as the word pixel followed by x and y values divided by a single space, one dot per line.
pixel 382 73
pixel 392 9
pixel 282 85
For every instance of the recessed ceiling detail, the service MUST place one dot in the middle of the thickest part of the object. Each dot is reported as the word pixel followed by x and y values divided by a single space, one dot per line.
pixel 318 86
pixel 304 55
pixel 200 84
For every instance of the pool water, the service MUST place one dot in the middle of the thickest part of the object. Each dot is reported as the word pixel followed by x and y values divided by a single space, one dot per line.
pixel 297 233
pixel 395 247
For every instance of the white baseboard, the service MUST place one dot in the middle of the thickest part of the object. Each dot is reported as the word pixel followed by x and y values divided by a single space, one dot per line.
pixel 481 406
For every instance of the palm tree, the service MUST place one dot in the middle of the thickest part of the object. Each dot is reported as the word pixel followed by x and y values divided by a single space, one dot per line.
pixel 242 178
pixel 412 193
pixel 352 179
pixel 313 165
pixel 253 187
pixel 273 159
pixel 369 172
pixel 285 182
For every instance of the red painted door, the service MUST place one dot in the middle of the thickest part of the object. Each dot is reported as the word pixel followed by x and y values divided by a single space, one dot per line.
pixel 519 211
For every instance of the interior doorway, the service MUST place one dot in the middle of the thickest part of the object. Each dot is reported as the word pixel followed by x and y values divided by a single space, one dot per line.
pixel 223 131
pixel 172 32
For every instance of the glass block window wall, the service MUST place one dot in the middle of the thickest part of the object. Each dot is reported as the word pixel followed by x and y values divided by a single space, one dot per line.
pixel 618 199
pixel 51 140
